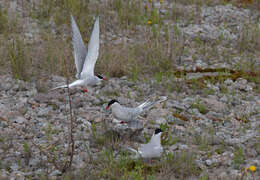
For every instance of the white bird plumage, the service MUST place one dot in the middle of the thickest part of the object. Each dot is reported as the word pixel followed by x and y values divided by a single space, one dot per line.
pixel 85 61
pixel 126 114
pixel 153 149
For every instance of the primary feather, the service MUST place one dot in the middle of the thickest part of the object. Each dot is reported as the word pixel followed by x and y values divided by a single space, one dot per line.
pixel 80 52
pixel 92 55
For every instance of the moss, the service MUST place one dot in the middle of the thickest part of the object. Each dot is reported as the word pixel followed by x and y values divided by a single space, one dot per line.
pixel 251 76
pixel 242 119
pixel 180 116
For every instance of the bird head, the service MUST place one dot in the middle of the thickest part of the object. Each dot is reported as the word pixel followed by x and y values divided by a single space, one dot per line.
pixel 157 131
pixel 101 77
pixel 111 102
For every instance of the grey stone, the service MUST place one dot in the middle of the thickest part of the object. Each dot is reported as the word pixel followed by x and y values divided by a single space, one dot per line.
pixel 161 121
pixel 55 173
pixel 173 147
pixel 183 146
pixel 214 104
pixel 209 162
pixel 19 119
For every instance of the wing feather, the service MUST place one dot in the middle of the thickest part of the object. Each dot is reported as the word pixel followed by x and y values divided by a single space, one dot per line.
pixel 92 55
pixel 78 46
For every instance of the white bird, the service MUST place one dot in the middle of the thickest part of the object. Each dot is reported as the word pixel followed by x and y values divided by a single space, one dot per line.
pixel 85 61
pixel 126 114
pixel 153 149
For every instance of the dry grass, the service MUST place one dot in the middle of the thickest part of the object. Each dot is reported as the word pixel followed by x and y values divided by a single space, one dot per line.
pixel 153 49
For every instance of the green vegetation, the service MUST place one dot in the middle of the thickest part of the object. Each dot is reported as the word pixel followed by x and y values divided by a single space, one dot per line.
pixel 18 59
pixel 200 106
pixel 3 21
pixel 179 165
pixel 238 158
pixel 161 48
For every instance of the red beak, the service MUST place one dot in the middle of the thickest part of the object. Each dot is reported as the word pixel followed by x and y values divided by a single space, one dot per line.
pixel 107 107
pixel 105 79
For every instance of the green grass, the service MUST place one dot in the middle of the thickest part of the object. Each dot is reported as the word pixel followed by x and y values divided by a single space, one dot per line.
pixel 257 146
pixel 156 55
pixel 200 106
pixel 238 158
pixel 3 21
pixel 203 142
pixel 17 55
pixel 179 165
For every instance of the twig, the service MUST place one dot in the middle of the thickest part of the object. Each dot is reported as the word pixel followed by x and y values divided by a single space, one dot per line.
pixel 71 147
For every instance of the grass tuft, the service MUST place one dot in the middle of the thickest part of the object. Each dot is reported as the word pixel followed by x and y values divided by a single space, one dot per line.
pixel 18 59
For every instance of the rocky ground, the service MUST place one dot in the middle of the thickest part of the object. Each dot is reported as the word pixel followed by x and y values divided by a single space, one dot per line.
pixel 229 125
pixel 216 121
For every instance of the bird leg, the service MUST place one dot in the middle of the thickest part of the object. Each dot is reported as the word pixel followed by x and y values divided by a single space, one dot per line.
pixel 85 89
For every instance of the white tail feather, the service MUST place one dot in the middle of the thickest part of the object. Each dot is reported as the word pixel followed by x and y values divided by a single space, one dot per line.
pixel 149 104
pixel 137 154
pixel 75 83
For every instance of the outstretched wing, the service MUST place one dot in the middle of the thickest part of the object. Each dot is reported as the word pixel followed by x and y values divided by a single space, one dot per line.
pixel 78 46
pixel 92 55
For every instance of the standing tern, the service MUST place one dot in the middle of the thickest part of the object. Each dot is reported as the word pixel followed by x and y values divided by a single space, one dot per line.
pixel 153 149
pixel 127 114
pixel 85 61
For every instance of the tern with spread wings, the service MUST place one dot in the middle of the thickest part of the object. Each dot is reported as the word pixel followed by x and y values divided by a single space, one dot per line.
pixel 85 61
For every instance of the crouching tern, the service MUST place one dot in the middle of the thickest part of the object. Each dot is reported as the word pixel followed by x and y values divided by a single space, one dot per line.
pixel 85 61
pixel 153 149
pixel 127 114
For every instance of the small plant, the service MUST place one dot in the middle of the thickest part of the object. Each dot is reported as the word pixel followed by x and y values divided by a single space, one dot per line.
pixel 18 59
pixel 238 158
pixel 204 177
pixel 258 142
pixel 180 165
pixel 27 153
pixel 3 21
pixel 251 168
pixel 203 142
pixel 200 106
pixel 221 148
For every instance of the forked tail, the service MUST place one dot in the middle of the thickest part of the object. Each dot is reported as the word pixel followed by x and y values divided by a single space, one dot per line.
pixel 149 104
pixel 136 153
pixel 78 82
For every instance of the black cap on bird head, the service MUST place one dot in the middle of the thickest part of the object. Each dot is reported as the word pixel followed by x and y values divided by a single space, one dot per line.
pixel 101 77
pixel 157 131
pixel 111 102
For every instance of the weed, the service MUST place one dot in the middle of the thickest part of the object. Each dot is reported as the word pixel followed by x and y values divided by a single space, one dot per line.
pixel 18 59
pixel 180 165
pixel 208 91
pixel 221 148
pixel 238 158
pixel 204 177
pixel 223 89
pixel 129 13
pixel 3 21
pixel 200 106
pixel 258 142
pixel 27 153
pixel 203 142
pixel 249 38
